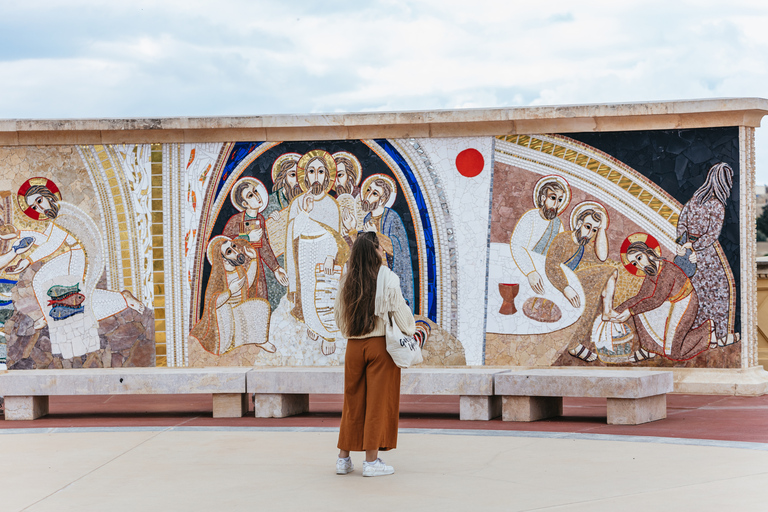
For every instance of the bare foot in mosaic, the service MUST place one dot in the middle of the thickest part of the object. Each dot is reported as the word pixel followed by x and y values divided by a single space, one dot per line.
pixel 268 347
pixel 133 302
pixel 328 347
pixel 312 335
pixel 583 353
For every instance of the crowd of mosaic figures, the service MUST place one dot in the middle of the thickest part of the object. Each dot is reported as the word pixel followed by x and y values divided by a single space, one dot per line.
pixel 680 309
pixel 292 245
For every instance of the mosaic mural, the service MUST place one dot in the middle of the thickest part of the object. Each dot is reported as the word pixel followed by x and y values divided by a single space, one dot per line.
pixel 549 250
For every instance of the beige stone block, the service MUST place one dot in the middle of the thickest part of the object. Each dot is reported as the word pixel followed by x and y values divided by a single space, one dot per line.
pixel 25 407
pixel 634 411
pixel 470 115
pixel 307 133
pixel 584 383
pixel 230 405
pixel 561 125
pixel 482 408
pixel 530 408
pixel 57 137
pixel 393 131
pixel 472 129
pixel 370 119
pixel 121 381
pixel 447 381
pixel 213 123
pixel 302 120
pixel 268 405
pixel 9 138
pixel 142 136
pixel 301 380
pixel 720 381
pixel 225 135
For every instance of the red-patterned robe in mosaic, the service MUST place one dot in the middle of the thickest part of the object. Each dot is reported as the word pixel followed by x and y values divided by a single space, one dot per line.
pixel 235 229
pixel 703 223
pixel 664 315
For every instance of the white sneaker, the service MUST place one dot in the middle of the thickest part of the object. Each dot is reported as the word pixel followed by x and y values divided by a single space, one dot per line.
pixel 344 466
pixel 377 468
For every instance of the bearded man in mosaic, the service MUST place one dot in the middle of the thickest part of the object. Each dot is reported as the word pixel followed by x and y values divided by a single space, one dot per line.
pixel 316 247
pixel 664 311
pixel 584 251
pixel 233 313
pixel 347 176
pixel 379 190
pixel 538 227
pixel 285 184
pixel 698 230
pixel 65 283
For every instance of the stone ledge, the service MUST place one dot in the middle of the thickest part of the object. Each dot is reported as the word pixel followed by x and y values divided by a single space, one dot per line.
pixel 414 381
pixel 583 383
pixel 434 123
pixel 121 381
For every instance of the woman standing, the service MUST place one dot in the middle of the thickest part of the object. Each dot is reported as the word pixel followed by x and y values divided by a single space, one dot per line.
pixel 371 409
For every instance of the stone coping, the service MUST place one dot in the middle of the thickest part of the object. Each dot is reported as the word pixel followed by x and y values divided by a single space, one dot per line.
pixel 428 123
pixel 120 381
pixel 414 381
pixel 583 383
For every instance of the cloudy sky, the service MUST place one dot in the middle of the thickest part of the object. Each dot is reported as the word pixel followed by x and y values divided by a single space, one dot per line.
pixel 88 58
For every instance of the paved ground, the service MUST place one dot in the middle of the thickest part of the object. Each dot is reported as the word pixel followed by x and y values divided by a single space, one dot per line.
pixel 169 454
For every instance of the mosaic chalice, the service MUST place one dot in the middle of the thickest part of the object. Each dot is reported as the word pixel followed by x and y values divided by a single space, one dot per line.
pixel 508 293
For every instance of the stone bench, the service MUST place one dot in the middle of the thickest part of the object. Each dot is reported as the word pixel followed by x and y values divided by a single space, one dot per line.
pixel 281 392
pixel 634 397
pixel 26 392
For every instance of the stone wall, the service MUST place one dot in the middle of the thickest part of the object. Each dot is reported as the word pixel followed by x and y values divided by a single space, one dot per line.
pixel 208 245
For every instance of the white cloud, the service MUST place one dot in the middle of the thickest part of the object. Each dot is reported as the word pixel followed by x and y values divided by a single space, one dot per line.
pixel 89 58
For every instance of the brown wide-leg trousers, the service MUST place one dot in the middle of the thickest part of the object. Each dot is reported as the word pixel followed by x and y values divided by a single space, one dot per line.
pixel 371 409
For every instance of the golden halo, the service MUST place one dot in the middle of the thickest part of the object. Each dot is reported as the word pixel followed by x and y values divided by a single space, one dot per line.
pixel 327 159
pixel 355 163
pixel 295 157
pixel 211 244
pixel 586 205
pixel 260 189
pixel 562 182
pixel 370 179
pixel 650 241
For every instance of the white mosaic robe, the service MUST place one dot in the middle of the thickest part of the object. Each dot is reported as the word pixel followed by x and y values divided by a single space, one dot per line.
pixel 310 239
pixel 78 334
pixel 527 251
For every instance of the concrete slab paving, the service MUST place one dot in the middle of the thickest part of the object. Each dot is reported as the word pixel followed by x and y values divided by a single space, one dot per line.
pixel 225 468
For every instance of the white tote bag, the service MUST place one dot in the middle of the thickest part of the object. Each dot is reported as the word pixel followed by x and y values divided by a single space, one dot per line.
pixel 405 350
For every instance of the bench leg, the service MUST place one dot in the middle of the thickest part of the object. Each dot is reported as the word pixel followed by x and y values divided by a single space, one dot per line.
pixel 482 408
pixel 25 407
pixel 531 408
pixel 230 405
pixel 628 411
pixel 268 405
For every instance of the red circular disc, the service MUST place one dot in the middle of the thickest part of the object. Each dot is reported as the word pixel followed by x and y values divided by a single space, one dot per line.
pixel 469 163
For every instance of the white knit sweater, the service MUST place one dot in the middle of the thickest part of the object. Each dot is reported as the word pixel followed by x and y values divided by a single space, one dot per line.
pixel 388 298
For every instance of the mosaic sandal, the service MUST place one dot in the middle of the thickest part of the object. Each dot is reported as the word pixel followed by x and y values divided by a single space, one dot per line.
pixel 583 353
pixel 725 342
pixel 641 355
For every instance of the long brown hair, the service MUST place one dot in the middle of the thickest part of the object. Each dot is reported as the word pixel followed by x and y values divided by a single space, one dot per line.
pixel 358 293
